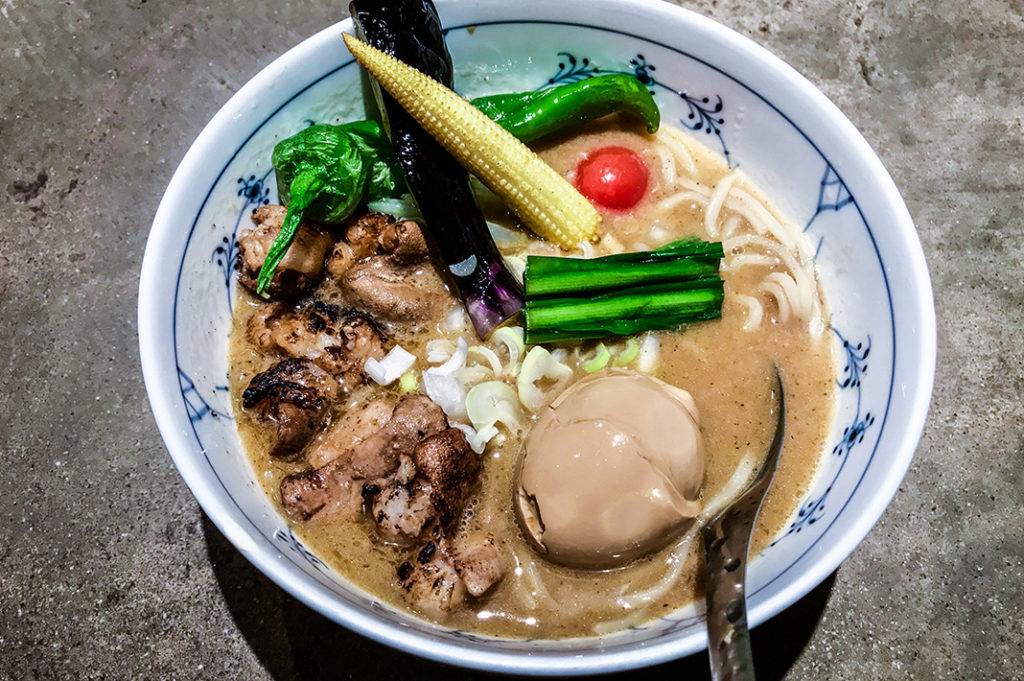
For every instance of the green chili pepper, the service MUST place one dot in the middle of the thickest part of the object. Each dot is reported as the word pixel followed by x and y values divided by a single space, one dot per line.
pixel 323 173
pixel 532 115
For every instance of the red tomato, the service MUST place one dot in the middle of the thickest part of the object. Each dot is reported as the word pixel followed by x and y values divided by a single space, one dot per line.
pixel 612 177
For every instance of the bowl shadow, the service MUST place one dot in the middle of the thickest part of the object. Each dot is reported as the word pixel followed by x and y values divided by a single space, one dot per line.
pixel 295 643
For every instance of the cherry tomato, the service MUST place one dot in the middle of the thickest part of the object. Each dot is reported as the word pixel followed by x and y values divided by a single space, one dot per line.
pixel 612 177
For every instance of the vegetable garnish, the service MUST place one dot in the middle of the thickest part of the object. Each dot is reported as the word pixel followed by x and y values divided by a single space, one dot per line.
pixel 628 354
pixel 533 115
pixel 440 185
pixel 680 260
pixel 599 361
pixel 538 365
pixel 323 173
pixel 389 369
pixel 544 201
pixel 576 299
pixel 613 177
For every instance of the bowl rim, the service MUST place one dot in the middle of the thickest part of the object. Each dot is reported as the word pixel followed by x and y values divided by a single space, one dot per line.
pixel 269 560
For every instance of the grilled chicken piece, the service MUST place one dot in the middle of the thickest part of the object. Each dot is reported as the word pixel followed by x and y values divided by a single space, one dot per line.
pixel 437 580
pixel 293 397
pixel 354 426
pixel 413 419
pixel 430 583
pixel 378 234
pixel 305 495
pixel 452 469
pixel 393 292
pixel 479 564
pixel 339 342
pixel 302 266
pixel 433 485
pixel 383 266
pixel 400 505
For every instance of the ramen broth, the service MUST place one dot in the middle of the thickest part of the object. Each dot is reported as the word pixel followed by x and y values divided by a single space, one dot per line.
pixel 725 367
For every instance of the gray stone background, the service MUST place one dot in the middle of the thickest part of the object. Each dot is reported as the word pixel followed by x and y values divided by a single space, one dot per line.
pixel 108 568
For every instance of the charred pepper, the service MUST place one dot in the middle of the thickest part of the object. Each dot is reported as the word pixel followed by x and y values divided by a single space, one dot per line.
pixel 533 115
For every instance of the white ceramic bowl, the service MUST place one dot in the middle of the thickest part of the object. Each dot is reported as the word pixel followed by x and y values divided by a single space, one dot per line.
pixel 731 93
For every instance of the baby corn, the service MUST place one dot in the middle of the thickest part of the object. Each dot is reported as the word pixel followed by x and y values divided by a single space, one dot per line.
pixel 539 196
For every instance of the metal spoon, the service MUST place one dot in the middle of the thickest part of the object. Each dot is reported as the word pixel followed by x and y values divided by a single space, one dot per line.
pixel 726 543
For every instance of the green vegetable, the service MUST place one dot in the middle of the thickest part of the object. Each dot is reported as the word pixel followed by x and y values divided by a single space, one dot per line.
pixel 408 382
pixel 323 173
pixel 533 115
pixel 661 307
pixel 676 261
pixel 575 299
pixel 628 354
pixel 600 360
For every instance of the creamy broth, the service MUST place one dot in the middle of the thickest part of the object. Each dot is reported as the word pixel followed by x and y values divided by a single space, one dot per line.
pixel 723 366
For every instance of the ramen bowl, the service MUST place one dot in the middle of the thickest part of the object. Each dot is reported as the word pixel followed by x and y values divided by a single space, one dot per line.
pixel 725 90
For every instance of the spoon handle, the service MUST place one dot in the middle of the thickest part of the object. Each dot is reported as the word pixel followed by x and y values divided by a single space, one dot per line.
pixel 725 547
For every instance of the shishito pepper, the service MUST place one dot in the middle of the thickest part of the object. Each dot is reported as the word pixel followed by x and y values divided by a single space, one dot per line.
pixel 323 173
pixel 533 115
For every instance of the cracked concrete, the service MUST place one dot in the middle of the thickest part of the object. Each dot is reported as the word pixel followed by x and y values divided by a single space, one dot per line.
pixel 108 569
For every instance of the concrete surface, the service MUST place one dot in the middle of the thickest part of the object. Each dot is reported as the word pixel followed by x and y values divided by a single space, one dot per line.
pixel 108 569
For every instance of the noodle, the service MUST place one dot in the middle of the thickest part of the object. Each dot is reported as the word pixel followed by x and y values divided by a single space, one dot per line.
pixel 671 202
pixel 752 260
pixel 775 290
pixel 732 223
pixel 677 560
pixel 679 149
pixel 534 580
pixel 524 592
pixel 602 628
pixel 754 311
pixel 802 294
pixel 586 249
pixel 757 215
pixel 794 293
pixel 735 485
pixel 716 202
pixel 668 164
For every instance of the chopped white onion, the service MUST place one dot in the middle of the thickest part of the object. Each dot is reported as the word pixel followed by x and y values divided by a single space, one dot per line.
pixel 477 439
pixel 456 320
pixel 447 393
pixel 512 338
pixel 490 356
pixel 494 402
pixel 648 359
pixel 455 362
pixel 391 368
pixel 439 350
pixel 403 207
pixel 540 364
pixel 472 374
